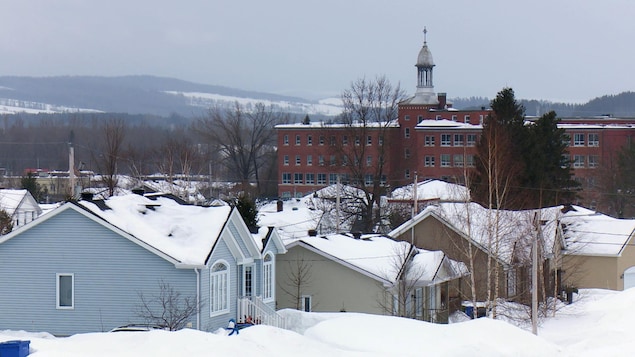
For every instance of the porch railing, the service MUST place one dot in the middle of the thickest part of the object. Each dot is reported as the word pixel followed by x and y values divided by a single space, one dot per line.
pixel 251 309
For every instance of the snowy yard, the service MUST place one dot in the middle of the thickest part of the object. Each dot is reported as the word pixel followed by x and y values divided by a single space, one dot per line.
pixel 599 323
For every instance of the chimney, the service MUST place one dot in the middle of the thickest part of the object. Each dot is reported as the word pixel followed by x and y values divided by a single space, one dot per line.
pixel 443 100
pixel 279 206
pixel 312 232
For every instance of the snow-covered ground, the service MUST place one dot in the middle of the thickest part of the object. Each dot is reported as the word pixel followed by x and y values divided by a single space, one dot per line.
pixel 598 323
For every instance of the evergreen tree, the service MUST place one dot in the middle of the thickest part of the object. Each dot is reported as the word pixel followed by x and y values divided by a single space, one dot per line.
pixel 521 166
pixel 6 223
pixel 30 184
pixel 246 206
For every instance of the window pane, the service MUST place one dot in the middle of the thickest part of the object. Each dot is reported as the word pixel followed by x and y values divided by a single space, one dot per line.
pixel 66 290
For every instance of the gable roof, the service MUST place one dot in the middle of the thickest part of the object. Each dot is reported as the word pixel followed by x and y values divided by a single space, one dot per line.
pixel 379 257
pixel 10 200
pixel 432 190
pixel 187 233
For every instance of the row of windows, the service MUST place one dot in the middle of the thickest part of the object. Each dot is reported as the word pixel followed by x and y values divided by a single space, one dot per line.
pixel 592 139
pixel 447 160
pixel 298 178
pixel 344 161
pixel 332 140
pixel 581 161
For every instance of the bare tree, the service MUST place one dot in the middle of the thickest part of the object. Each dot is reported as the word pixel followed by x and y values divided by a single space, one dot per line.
pixel 168 309
pixel 114 131
pixel 370 110
pixel 299 277
pixel 244 136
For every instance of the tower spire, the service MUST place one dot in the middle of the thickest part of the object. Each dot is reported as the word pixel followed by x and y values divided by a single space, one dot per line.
pixel 425 32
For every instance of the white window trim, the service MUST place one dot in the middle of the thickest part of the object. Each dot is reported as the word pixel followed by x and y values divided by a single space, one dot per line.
pixel 303 305
pixel 227 272
pixel 272 278
pixel 57 291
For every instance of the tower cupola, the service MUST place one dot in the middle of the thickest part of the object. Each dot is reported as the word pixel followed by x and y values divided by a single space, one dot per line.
pixel 424 66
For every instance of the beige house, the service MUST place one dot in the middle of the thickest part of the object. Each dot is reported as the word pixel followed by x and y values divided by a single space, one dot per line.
pixel 368 274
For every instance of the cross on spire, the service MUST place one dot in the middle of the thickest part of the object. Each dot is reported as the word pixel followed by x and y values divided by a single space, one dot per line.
pixel 425 31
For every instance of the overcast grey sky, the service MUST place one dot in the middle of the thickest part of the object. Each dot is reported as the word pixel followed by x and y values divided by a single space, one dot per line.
pixel 569 50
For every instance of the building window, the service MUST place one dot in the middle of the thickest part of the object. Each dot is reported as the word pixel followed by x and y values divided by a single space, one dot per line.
pixel 332 140
pixel 466 119
pixel 248 280
pixel 321 179
pixel 446 139
pixel 309 160
pixel 471 139
pixel 458 160
pixel 407 174
pixel 458 139
pixel 578 161
pixel 344 160
pixel 454 117
pixel 380 140
pixel 65 294
pixel 297 178
pixel 332 160
pixel 445 160
pixel 511 282
pixel 594 139
pixel 369 140
pixel 321 139
pixel 268 277
pixel 219 288
pixel 310 179
pixel 332 179
pixel 578 139
pixel 306 303
pixel 406 153
pixel 429 140
pixel 298 141
pixel 594 161
pixel 469 160
pixel 406 117
pixel 428 161
pixel 419 119
pixel 321 160
pixel 298 160
pixel 309 139
pixel 285 160
pixel 345 140
pixel 286 194
pixel 345 179
pixel 369 161
pixel 286 177
pixel 407 133
pixel 368 179
pixel 357 140
pixel 566 140
pixel 285 140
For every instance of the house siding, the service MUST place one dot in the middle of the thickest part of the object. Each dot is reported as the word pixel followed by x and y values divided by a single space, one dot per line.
pixel 109 270
pixel 221 252
pixel 355 291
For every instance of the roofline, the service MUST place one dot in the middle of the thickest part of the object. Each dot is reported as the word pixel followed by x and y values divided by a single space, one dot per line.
pixel 308 246
pixel 94 217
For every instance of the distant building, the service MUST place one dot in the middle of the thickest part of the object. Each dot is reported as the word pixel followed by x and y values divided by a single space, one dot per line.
pixel 433 140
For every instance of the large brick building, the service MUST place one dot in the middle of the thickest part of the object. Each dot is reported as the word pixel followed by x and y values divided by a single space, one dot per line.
pixel 431 138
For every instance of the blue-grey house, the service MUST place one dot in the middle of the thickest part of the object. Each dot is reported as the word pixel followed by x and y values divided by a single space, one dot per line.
pixel 84 266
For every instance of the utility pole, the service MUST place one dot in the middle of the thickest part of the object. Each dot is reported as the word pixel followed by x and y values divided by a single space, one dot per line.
pixel 534 276
pixel 337 206
pixel 71 166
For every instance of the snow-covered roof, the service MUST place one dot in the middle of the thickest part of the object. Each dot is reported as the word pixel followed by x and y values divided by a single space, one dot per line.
pixel 432 190
pixel 186 233
pixel 11 199
pixel 324 125
pixel 446 124
pixel 587 232
pixel 382 257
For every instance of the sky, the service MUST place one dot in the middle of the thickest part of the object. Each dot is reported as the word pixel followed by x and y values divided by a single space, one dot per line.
pixel 566 50
pixel 597 323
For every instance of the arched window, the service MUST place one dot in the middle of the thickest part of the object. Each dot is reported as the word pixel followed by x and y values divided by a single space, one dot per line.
pixel 268 277
pixel 219 288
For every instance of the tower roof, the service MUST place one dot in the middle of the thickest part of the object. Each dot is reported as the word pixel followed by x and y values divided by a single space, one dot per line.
pixel 425 56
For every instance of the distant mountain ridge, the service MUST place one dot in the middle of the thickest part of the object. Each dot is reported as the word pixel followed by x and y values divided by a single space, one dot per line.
pixel 162 96
pixel 127 94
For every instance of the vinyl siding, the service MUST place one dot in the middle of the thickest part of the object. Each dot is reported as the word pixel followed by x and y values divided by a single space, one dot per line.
pixel 110 272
